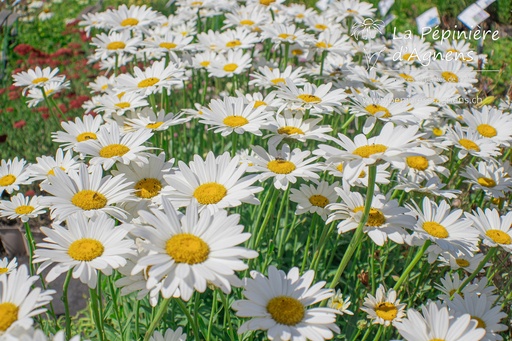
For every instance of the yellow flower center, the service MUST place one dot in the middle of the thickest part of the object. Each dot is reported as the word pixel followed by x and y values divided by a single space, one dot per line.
pixel 375 108
pixel 286 310
pixel 233 43
pixel 258 104
pixel 278 80
pixel 39 80
pixel 246 22
pixel 196 3
pixel 297 52
pixel 406 77
pixel 321 27
pixel 486 130
pixel 123 105
pixel 499 237
pixel 450 77
pixel 231 67
pixel 281 166
pixel 155 125
pixel 235 121
pixel 437 339
pixel 462 262
pixel 486 182
pixel 113 150
pixel 409 57
pixel 340 167
pixel 417 162
pixel 289 130
pixel 480 322
pixel 318 200
pixel 3 270
pixel 366 151
pixel 438 132
pixel 7 180
pixel 89 200
pixel 8 315
pixel 52 171
pixel 120 95
pixel 86 136
pixel 386 311
pixel 286 36
pixel 468 144
pixel 435 229
pixel 116 45
pixel 24 209
pixel 85 249
pixel 375 218
pixel 148 82
pixel 147 188
pixel 187 248
pixel 104 87
pixel 323 45
pixel 129 22
pixel 167 45
pixel 267 2
pixel 309 98
pixel 205 63
pixel 210 193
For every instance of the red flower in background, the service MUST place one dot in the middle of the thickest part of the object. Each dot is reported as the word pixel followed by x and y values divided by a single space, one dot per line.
pixel 30 193
pixel 20 124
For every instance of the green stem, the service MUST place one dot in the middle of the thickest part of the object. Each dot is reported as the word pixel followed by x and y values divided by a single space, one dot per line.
pixel 113 292
pixel 31 247
pixel 66 304
pixel 96 313
pixel 411 265
pixel 190 319
pixel 484 261
pixel 162 309
pixel 358 235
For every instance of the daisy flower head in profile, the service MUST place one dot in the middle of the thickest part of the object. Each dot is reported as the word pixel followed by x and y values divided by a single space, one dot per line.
pixel 134 18
pixel 267 77
pixel 453 71
pixel 314 198
pixel 451 283
pixel 169 335
pixel 339 303
pixel 445 228
pixel 86 192
pixel 234 114
pixel 425 184
pixel 494 229
pixel 391 144
pixel 148 119
pixel 215 183
pixel 285 34
pixel 44 168
pixel 20 206
pixel 280 304
pixel 115 43
pixel 383 308
pixel 120 104
pixel 386 220
pixel 284 165
pixel 436 323
pixel 111 146
pixel 36 78
pixel 7 266
pixel 470 142
pixel 317 99
pixel 13 173
pixel 359 10
pixel 461 260
pixel 192 250
pixel 86 246
pixel 82 129
pixel 489 177
pixel 36 96
pixel 169 42
pixel 230 64
pixel 20 301
pixel 153 79
pixel 291 125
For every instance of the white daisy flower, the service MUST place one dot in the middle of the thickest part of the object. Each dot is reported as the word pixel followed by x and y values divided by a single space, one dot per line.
pixel 491 123
pixel 283 165
pixel 102 84
pixel 489 177
pixel 233 114
pixel 267 78
pixel 36 96
pixel 314 198
pixel 193 250
pixel 153 79
pixel 460 260
pixel 280 305
pixel 169 42
pixel 21 207
pixel 120 104
pixel 384 308
pixel 170 335
pixel 19 302
pixel 486 315
pixel 32 334
pixel 239 38
pixel 7 267
pixel 44 168
pixel 78 131
pixel 422 167
pixel 280 34
pixel 386 218
pixel 291 125
pixel 341 305
pixel 215 183
pixel 495 229
pixel 137 18
pixel 444 227
pixel 453 71
pixel 428 185
pixel 37 78
pixel 115 43
pixel 436 323
pixel 233 63
pixel 111 147
pixel 450 285
pixel 85 246
pixel 157 122
pixel 86 192
pixel 13 173
pixel 317 99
